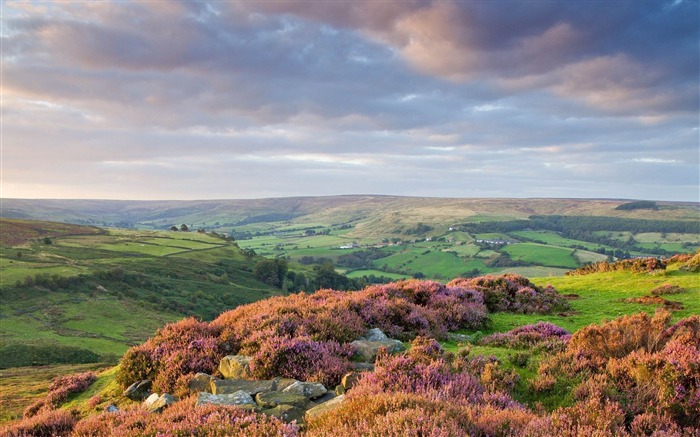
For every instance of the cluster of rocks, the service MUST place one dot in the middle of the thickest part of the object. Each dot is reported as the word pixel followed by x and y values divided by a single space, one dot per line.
pixel 285 398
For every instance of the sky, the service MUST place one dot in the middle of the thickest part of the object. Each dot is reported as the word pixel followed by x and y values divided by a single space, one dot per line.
pixel 275 98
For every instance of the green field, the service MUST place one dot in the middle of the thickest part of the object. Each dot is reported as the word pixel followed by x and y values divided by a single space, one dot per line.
pixel 545 255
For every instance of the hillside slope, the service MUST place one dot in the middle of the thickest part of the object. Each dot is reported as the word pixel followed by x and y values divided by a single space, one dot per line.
pixel 85 291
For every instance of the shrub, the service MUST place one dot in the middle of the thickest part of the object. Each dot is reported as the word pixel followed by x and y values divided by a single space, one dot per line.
pixel 184 419
pixel 303 359
pixel 514 293
pixel 543 335
pixel 52 423
pixel 59 390
pixel 667 289
pixel 637 265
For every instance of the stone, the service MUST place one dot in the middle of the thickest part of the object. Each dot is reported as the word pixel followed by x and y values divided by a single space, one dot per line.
pixel 325 398
pixel 458 338
pixel 339 389
pixel 139 390
pixel 350 380
pixel 227 386
pixel 275 398
pixel 362 367
pixel 376 334
pixel 286 413
pixel 163 401
pixel 282 383
pixel 111 408
pixel 239 399
pixel 235 367
pixel 150 400
pixel 366 350
pixel 201 382
pixel 324 407
pixel 310 390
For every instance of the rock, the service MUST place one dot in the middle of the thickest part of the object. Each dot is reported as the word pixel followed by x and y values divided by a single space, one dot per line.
pixel 367 350
pixel 275 398
pixel 325 398
pixel 150 400
pixel 139 390
pixel 111 408
pixel 362 367
pixel 339 389
pixel 458 338
pixel 350 380
pixel 235 367
pixel 239 399
pixel 376 334
pixel 310 390
pixel 201 382
pixel 163 401
pixel 282 383
pixel 286 413
pixel 227 386
pixel 100 288
pixel 324 407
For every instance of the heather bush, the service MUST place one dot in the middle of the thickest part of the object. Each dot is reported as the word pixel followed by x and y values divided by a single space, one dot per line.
pixel 542 335
pixel 49 423
pixel 177 351
pixel 514 293
pixel 184 419
pixel 59 390
pixel 303 359
pixel 591 418
pixel 637 265
pixel 664 289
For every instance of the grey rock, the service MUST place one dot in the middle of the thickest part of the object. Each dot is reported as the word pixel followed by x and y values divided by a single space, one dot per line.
pixel 201 382
pixel 362 367
pixel 227 386
pixel 339 389
pixel 282 383
pixel 275 398
pixel 325 398
pixel 139 390
pixel 376 334
pixel 366 351
pixel 458 338
pixel 324 407
pixel 310 390
pixel 111 408
pixel 150 400
pixel 286 413
pixel 235 367
pixel 166 399
pixel 239 399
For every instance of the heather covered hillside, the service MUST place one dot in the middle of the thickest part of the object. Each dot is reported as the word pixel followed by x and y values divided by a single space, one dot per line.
pixel 444 362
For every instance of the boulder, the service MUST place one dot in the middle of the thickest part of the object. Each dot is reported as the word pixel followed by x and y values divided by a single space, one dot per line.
pixel 201 382
pixel 350 380
pixel 324 407
pixel 376 334
pixel 239 399
pixel 286 413
pixel 275 398
pixel 228 386
pixel 310 390
pixel 111 408
pixel 325 398
pixel 366 350
pixel 163 401
pixel 362 367
pixel 235 367
pixel 282 383
pixel 150 400
pixel 139 390
pixel 339 390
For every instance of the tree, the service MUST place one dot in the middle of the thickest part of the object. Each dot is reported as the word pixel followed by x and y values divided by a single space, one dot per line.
pixel 173 228
pixel 47 240
pixel 184 228
pixel 271 271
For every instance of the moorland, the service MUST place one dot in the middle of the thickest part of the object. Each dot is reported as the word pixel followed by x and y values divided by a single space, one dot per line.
pixel 77 297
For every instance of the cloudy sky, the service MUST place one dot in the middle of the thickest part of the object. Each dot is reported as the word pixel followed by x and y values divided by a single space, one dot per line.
pixel 269 98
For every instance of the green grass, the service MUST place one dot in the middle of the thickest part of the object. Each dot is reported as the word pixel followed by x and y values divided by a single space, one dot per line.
pixel 554 239
pixel 542 254
pixel 361 273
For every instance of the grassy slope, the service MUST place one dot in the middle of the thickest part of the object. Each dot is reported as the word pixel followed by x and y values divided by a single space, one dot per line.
pixel 149 278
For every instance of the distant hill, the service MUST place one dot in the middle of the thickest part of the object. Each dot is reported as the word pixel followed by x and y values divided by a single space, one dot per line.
pixel 370 213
